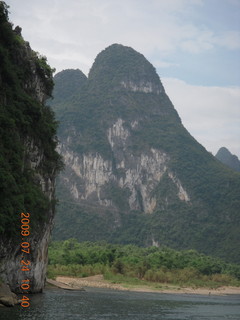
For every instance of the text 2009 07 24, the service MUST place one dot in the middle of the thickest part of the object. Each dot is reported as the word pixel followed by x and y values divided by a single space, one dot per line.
pixel 25 262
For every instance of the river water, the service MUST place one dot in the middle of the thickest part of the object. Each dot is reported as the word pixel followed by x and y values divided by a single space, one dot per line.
pixel 103 304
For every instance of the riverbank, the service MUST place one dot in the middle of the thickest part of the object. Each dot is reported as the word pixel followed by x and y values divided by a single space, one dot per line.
pixel 97 281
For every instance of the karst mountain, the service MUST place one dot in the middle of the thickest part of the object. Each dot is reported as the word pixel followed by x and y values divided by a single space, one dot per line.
pixel 133 173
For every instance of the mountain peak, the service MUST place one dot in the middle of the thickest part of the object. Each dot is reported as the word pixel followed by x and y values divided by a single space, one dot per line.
pixel 229 159
pixel 223 151
pixel 122 67
pixel 67 83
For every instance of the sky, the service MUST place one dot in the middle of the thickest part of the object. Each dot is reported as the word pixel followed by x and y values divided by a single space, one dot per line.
pixel 193 44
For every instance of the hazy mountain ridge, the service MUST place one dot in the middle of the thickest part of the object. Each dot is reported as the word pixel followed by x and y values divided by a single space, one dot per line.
pixel 229 159
pixel 133 172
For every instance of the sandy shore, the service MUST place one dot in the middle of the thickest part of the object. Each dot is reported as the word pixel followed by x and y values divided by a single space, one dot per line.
pixel 73 283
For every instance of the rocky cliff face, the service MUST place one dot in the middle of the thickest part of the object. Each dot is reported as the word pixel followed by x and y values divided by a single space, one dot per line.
pixel 11 254
pixel 133 173
pixel 28 159
pixel 137 174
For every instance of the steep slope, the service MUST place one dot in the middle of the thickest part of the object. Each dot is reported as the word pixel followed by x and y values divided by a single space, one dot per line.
pixel 229 159
pixel 28 160
pixel 133 172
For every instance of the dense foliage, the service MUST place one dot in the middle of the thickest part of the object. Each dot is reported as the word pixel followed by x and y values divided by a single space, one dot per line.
pixel 25 123
pixel 153 264
pixel 209 222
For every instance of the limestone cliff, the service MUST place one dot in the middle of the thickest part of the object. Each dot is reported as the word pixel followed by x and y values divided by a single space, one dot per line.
pixel 133 173
pixel 11 255
pixel 138 174
pixel 28 159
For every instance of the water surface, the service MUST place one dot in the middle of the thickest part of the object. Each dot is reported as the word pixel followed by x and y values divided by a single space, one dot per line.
pixel 103 304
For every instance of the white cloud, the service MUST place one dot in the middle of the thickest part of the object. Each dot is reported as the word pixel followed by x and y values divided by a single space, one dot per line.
pixel 230 40
pixel 147 26
pixel 164 64
pixel 197 40
pixel 211 114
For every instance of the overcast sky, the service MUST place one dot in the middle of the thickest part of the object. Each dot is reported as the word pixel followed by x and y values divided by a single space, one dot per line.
pixel 193 44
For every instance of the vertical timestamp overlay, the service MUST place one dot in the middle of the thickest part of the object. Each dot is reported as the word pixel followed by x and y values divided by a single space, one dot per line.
pixel 25 263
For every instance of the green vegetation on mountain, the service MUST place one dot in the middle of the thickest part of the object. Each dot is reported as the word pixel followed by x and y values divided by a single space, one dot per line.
pixel 25 123
pixel 123 84
pixel 163 265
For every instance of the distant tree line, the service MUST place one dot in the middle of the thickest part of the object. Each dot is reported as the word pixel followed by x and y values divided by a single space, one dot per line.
pixel 70 257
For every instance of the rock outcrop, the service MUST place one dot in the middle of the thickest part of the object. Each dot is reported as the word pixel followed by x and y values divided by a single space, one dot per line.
pixel 7 297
